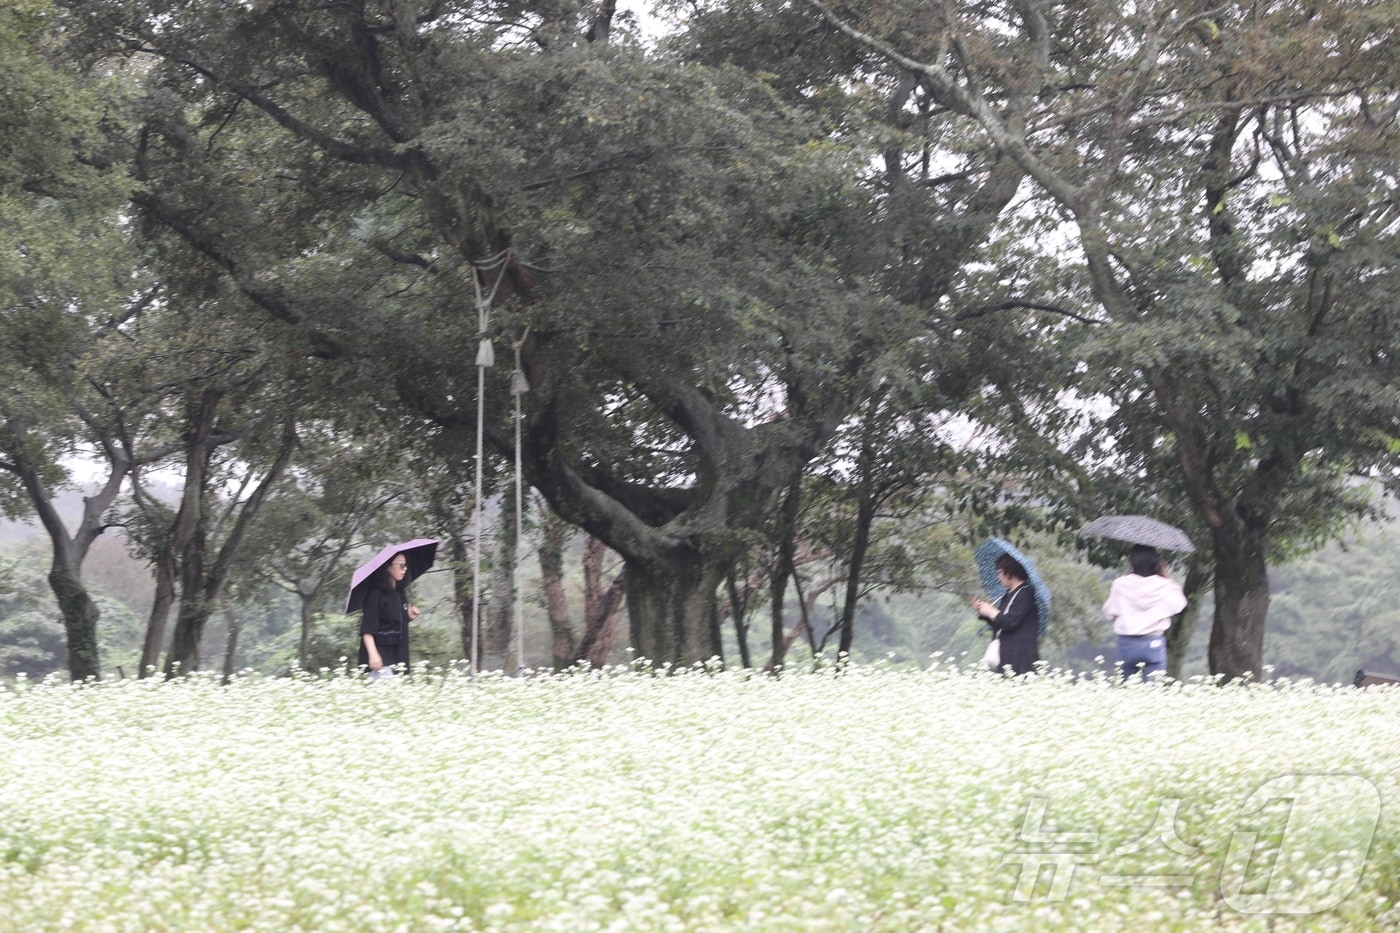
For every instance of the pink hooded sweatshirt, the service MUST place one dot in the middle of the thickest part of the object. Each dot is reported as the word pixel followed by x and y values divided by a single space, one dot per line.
pixel 1143 605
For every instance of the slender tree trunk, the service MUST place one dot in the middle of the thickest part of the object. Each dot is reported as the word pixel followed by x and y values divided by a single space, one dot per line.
pixel 235 626
pixel 738 609
pixel 671 606
pixel 602 604
pixel 784 569
pixel 1184 625
pixel 462 593
pixel 866 501
pixel 306 604
pixel 202 581
pixel 601 630
pixel 865 517
pixel 164 601
pixel 551 557
pixel 787 640
pixel 499 637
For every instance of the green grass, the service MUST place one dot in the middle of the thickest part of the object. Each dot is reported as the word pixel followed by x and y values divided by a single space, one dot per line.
pixel 869 800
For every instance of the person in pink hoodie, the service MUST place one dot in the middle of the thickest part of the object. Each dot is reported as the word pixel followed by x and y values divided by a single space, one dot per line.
pixel 1141 605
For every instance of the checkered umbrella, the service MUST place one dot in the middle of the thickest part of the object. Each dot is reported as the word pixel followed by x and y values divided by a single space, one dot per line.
pixel 986 556
pixel 1139 529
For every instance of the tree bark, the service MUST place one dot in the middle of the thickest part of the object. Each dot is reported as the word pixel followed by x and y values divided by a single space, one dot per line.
pixel 80 616
pixel 1241 606
pixel 192 612
pixel 601 606
pixel 866 496
pixel 161 605
pixel 784 569
pixel 305 606
pixel 551 557
pixel 235 626
pixel 171 553
pixel 499 618
pixel 738 610
pixel 671 607
pixel 201 582
pixel 865 517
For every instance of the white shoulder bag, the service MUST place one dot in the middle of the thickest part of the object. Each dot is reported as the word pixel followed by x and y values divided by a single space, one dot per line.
pixel 992 656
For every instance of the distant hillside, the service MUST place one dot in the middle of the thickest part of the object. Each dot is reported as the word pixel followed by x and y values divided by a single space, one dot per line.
pixel 69 505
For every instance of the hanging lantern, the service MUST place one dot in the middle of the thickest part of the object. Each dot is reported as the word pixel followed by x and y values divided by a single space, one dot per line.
pixel 485 353
pixel 519 385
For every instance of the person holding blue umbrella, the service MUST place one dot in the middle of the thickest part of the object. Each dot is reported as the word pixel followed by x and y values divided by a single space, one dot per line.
pixel 1015 616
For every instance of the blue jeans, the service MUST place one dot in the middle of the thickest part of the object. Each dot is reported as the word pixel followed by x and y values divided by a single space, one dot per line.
pixel 1146 651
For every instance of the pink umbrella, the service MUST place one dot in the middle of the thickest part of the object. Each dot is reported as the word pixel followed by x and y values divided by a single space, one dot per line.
pixel 420 553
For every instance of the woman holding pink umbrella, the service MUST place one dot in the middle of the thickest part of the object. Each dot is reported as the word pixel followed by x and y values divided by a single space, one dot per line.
pixel 379 590
pixel 384 621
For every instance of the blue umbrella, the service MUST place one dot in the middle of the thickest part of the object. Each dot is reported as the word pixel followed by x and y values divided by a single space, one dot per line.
pixel 987 554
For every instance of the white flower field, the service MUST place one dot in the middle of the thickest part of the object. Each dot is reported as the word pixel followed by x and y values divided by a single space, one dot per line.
pixel 871 800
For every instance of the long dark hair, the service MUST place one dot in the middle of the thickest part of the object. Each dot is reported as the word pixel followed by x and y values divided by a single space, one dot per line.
pixel 1144 561
pixel 386 582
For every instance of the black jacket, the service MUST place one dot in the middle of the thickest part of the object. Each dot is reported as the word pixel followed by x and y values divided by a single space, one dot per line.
pixel 385 616
pixel 1018 627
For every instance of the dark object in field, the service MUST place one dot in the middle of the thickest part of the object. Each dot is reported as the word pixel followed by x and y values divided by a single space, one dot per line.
pixel 1365 678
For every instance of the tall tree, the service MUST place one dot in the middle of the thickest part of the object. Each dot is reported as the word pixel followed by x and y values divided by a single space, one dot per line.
pixel 680 249
pixel 66 283
pixel 1229 170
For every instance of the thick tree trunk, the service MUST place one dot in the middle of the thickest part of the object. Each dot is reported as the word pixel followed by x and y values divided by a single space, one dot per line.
pixel 1241 605
pixel 671 607
pixel 80 615
pixel 194 611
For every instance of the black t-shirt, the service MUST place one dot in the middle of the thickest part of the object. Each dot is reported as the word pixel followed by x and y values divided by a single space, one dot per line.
pixel 385 616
